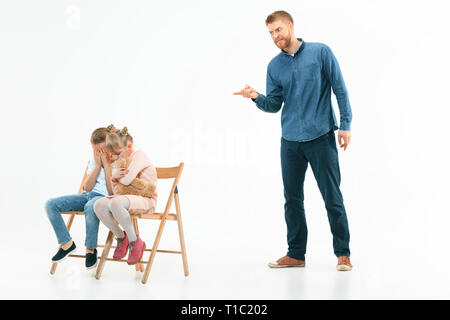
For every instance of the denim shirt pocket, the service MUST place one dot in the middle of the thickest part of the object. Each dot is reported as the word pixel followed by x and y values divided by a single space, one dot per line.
pixel 311 71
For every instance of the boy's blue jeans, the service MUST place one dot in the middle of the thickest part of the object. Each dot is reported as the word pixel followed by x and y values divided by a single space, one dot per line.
pixel 321 153
pixel 78 202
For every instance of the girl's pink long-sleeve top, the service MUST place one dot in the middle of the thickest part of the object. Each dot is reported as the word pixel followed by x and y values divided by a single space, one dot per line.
pixel 140 162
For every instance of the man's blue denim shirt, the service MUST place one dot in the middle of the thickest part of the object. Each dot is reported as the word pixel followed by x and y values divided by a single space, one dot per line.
pixel 304 82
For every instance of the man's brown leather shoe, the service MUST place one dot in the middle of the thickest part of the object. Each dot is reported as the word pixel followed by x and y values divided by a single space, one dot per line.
pixel 344 264
pixel 286 262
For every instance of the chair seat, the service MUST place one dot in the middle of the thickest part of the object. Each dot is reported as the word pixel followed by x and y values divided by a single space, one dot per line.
pixel 78 213
pixel 155 215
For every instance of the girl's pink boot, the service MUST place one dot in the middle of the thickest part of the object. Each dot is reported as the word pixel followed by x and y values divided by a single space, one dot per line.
pixel 136 251
pixel 122 247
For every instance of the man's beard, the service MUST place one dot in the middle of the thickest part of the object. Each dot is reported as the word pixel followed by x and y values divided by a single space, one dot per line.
pixel 285 43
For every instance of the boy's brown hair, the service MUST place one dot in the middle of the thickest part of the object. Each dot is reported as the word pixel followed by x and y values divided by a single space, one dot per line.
pixel 99 135
pixel 279 15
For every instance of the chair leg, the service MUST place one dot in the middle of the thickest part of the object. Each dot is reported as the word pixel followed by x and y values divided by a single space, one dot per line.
pixel 181 235
pixel 69 225
pixel 104 256
pixel 139 266
pixel 153 253
pixel 53 268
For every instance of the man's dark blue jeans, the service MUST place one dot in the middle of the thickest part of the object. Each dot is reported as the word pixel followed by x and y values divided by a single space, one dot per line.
pixel 321 153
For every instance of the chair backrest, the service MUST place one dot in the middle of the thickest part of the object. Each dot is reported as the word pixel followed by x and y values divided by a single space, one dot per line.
pixel 80 189
pixel 170 173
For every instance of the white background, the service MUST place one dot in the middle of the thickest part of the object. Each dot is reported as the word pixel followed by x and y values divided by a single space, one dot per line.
pixel 167 70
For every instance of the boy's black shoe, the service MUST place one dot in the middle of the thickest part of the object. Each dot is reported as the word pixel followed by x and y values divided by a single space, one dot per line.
pixel 91 260
pixel 62 254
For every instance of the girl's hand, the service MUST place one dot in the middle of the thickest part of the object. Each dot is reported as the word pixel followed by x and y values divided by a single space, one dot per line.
pixel 118 173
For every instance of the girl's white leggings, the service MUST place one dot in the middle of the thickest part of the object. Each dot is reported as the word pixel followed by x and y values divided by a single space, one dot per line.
pixel 114 214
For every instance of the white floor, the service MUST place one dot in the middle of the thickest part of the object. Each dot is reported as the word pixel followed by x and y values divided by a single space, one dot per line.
pixel 215 278
pixel 233 268
pixel 399 248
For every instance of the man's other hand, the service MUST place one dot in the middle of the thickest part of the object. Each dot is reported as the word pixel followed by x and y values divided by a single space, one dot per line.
pixel 344 138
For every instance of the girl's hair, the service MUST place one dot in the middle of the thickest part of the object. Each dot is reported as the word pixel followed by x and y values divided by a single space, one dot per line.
pixel 117 139
pixel 99 135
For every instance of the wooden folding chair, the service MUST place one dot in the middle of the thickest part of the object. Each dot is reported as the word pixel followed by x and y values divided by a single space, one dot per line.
pixel 70 221
pixel 163 173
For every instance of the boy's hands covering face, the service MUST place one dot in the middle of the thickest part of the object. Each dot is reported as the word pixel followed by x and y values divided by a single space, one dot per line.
pixel 99 154
pixel 97 158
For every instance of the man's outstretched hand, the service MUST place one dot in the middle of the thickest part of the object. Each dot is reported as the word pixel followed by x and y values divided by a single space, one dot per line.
pixel 344 138
pixel 247 92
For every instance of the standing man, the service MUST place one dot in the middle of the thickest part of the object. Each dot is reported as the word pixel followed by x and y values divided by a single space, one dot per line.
pixel 301 76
